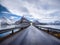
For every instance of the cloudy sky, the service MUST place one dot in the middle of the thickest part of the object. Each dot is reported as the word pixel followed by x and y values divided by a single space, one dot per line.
pixel 43 10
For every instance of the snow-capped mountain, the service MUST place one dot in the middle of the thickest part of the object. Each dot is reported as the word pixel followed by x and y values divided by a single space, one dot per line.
pixel 6 17
pixel 22 20
pixel 55 23
pixel 5 21
pixel 9 21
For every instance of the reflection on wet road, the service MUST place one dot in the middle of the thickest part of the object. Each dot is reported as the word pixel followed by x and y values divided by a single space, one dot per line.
pixel 32 36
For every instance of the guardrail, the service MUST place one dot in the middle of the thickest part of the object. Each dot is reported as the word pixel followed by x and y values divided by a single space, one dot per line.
pixel 4 30
pixel 52 31
pixel 49 29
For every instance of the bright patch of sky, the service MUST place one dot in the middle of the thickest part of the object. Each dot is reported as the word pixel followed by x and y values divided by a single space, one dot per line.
pixel 44 10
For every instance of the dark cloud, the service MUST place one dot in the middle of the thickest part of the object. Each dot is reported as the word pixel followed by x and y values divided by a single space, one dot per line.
pixel 37 8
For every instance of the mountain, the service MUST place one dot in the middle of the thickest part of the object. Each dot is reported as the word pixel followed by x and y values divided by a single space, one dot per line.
pixel 5 21
pixel 22 20
pixel 3 9
pixel 4 12
pixel 9 21
pixel 30 18
pixel 36 22
pixel 55 23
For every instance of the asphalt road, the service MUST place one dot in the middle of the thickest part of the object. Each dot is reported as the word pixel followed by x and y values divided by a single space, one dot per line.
pixel 32 36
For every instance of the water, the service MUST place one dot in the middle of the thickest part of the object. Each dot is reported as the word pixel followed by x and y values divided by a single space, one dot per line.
pixel 7 33
pixel 51 26
pixel 15 30
pixel 8 27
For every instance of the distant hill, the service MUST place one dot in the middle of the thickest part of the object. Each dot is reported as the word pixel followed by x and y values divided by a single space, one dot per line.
pixel 36 22
pixel 55 23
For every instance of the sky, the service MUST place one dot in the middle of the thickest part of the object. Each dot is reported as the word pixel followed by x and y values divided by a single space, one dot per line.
pixel 42 10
